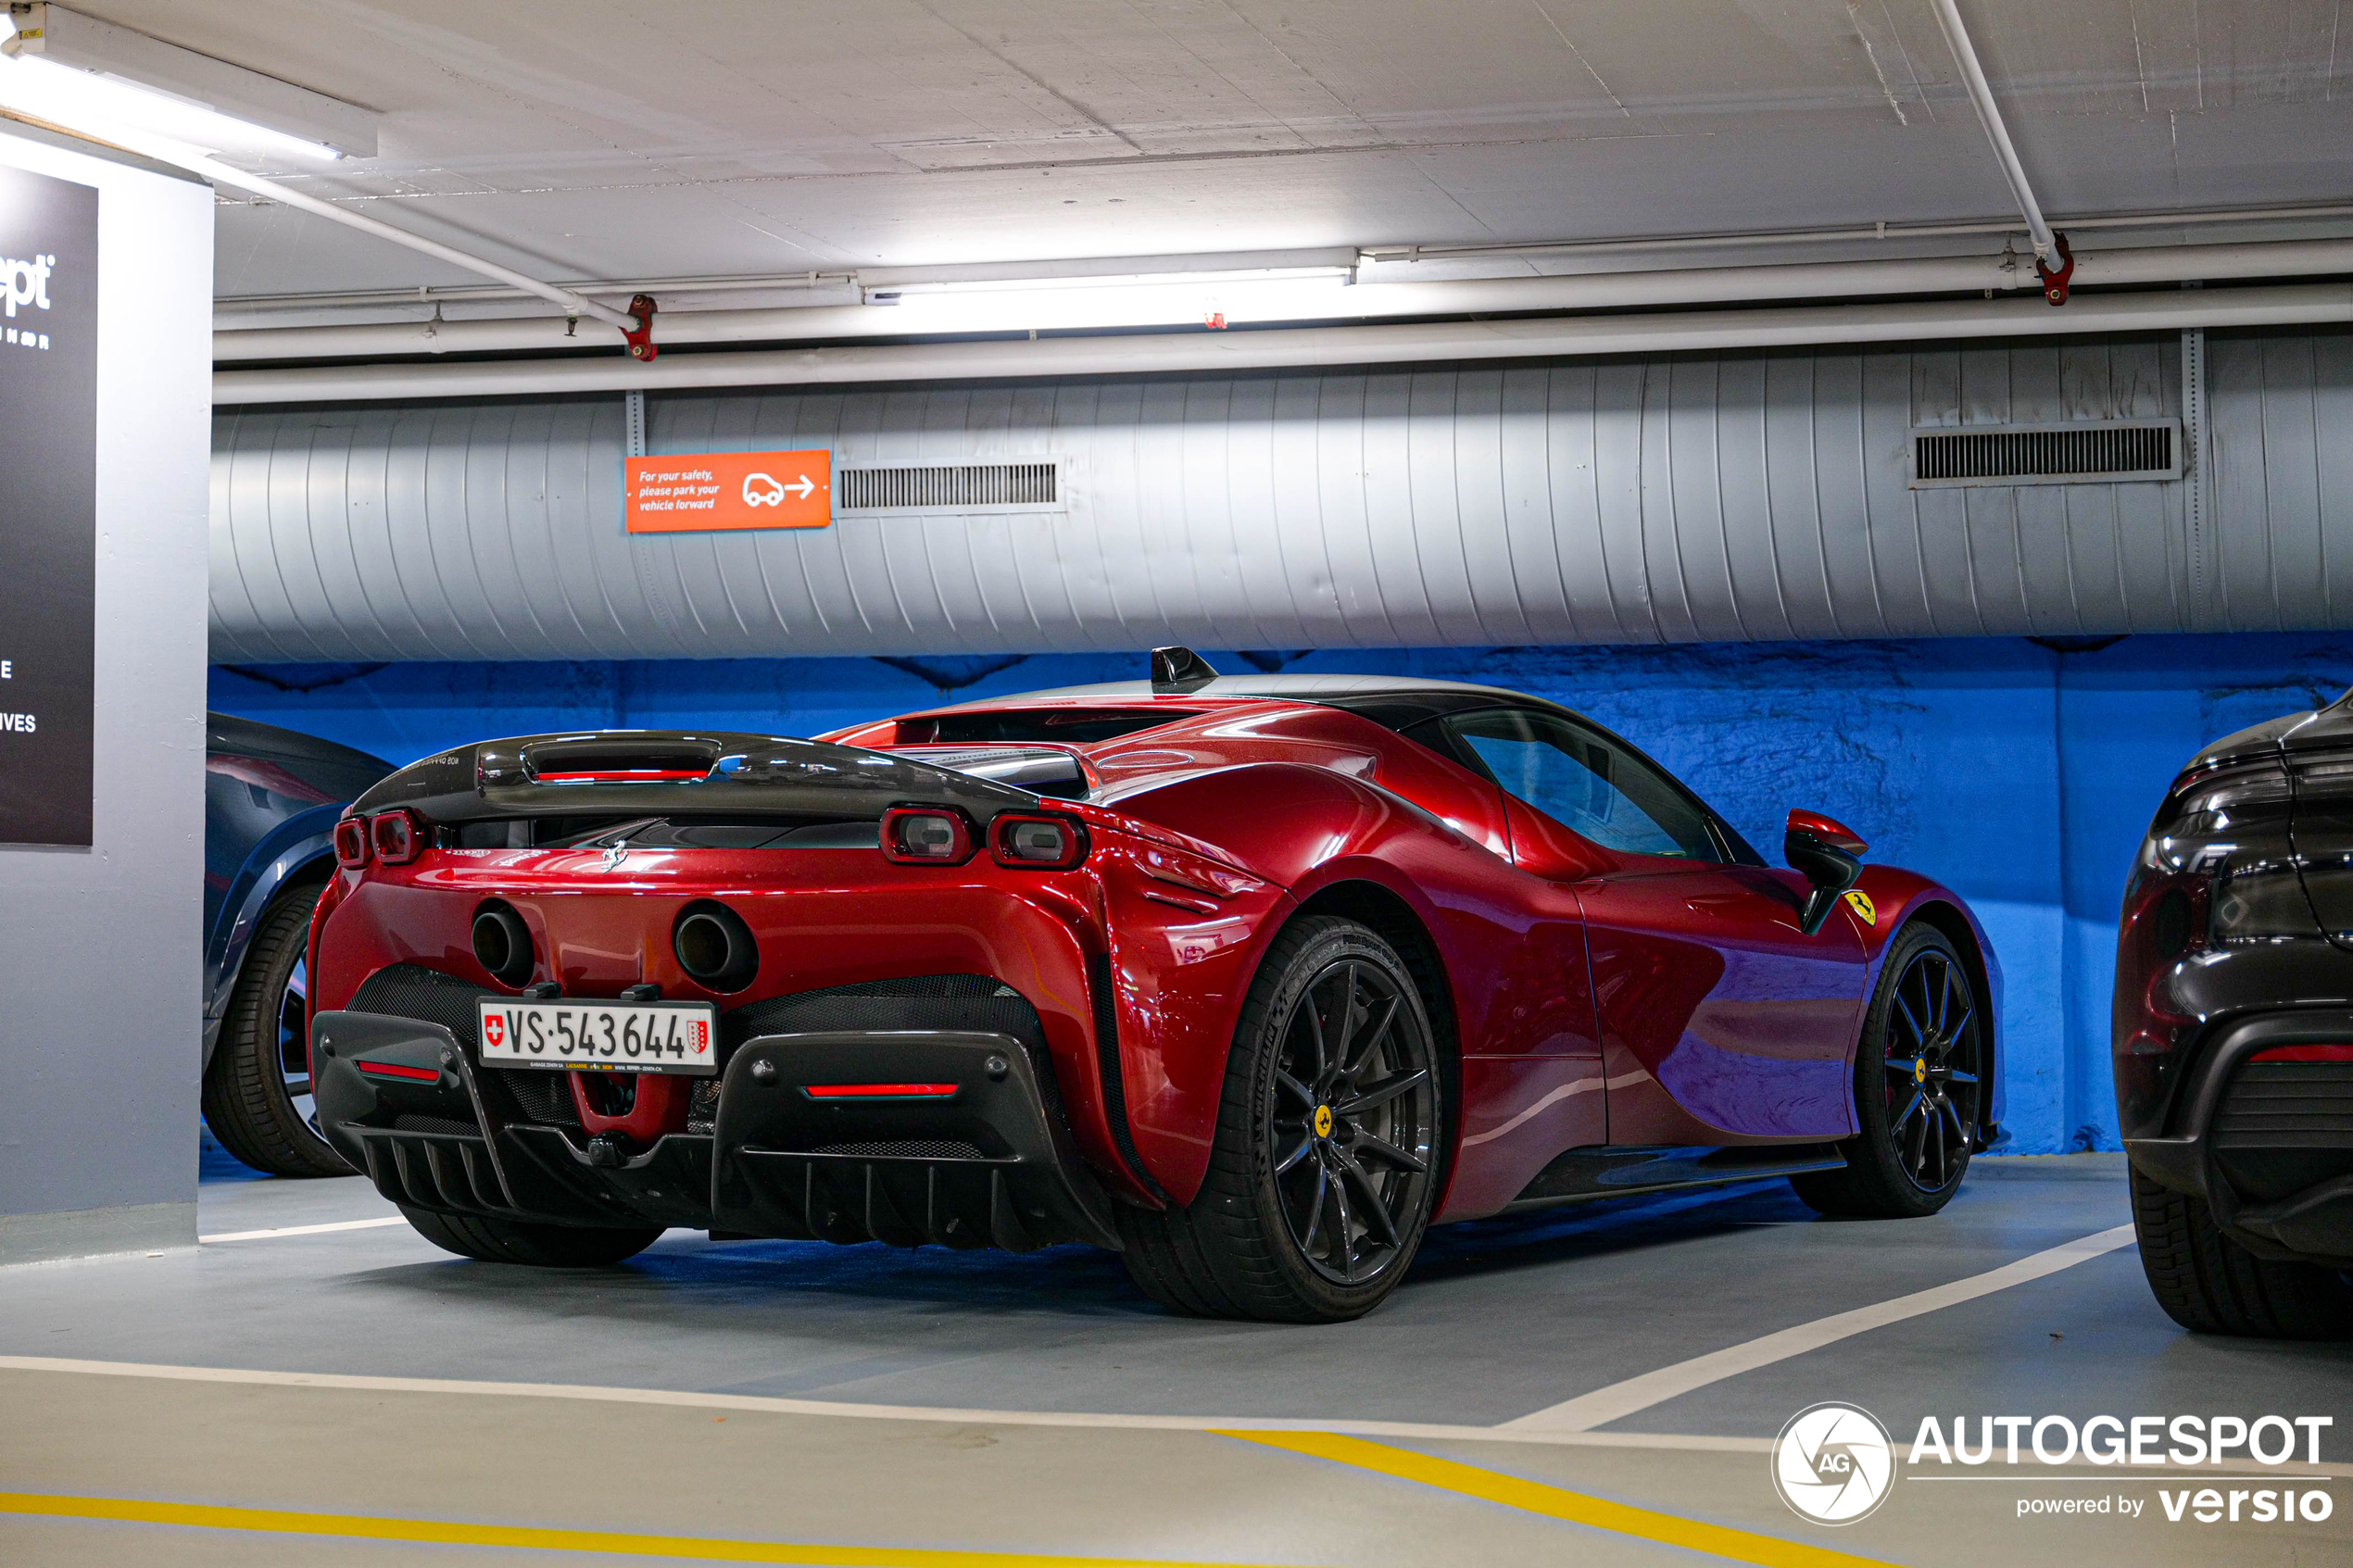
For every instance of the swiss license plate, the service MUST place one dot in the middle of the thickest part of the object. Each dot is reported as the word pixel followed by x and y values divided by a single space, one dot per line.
pixel 601 1036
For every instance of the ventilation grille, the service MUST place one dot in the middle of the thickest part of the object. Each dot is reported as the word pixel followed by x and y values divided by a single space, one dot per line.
pixel 2070 454
pixel 968 487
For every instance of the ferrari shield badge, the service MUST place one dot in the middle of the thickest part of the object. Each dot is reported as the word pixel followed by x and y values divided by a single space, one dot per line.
pixel 1860 902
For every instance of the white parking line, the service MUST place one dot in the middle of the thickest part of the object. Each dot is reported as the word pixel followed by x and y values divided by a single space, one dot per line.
pixel 773 1405
pixel 1620 1399
pixel 305 1230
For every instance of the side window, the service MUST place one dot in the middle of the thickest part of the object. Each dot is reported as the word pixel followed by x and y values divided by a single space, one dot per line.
pixel 1587 783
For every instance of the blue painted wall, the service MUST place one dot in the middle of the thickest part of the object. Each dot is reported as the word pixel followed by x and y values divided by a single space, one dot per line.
pixel 2022 776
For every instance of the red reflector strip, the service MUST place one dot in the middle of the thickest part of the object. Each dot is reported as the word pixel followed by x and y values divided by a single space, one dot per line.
pixel 626 775
pixel 2305 1053
pixel 879 1091
pixel 400 1069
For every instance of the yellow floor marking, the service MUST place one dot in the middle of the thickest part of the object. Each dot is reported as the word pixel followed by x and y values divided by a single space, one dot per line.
pixel 447 1533
pixel 1741 1545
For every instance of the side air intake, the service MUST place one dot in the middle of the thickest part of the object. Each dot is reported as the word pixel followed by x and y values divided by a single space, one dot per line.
pixel 2069 454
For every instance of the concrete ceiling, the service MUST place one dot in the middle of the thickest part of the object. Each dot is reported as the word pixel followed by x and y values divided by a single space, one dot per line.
pixel 604 139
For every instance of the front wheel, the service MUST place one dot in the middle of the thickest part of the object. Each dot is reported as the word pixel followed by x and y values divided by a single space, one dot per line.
pixel 1324 1169
pixel 520 1241
pixel 1919 1073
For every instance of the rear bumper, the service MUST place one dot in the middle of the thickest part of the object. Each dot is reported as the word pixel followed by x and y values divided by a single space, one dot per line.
pixel 2270 1152
pixel 991 1164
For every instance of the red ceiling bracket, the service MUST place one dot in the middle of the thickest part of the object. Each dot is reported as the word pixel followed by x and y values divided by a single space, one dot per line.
pixel 2054 280
pixel 641 338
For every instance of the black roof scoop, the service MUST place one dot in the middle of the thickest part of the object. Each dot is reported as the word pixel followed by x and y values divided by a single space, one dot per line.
pixel 1180 670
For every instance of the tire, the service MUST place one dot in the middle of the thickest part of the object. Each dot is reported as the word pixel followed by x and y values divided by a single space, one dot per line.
pixel 1920 1124
pixel 1324 1165
pixel 539 1246
pixel 257 1090
pixel 2210 1284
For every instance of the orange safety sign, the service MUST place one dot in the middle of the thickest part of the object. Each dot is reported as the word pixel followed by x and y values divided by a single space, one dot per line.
pixel 697 491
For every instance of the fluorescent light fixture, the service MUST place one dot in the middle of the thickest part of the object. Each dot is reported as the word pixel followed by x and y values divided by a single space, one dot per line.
pixel 1135 299
pixel 93 102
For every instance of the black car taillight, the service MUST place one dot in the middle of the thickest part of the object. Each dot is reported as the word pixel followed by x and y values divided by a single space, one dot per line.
pixel 1037 843
pixel 2225 844
pixel 351 843
pixel 398 837
pixel 918 835
pixel 2218 872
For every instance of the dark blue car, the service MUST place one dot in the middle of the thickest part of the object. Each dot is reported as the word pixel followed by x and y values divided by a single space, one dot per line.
pixel 271 798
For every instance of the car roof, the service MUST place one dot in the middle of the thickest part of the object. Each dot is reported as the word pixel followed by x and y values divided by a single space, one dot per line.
pixel 226 735
pixel 1395 702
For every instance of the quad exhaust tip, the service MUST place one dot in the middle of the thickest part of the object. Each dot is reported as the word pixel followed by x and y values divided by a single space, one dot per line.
pixel 714 947
pixel 502 943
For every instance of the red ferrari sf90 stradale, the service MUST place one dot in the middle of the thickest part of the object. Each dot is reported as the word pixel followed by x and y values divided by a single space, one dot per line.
pixel 1252 980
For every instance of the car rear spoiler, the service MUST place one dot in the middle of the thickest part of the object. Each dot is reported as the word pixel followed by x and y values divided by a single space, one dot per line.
pixel 660 772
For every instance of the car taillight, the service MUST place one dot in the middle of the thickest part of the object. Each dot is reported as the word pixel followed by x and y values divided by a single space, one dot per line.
pixel 1044 844
pixel 2305 1053
pixel 918 837
pixel 351 843
pixel 397 835
pixel 880 1091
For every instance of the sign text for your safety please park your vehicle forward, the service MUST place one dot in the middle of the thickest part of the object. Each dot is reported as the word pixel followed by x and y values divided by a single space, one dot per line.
pixel 703 491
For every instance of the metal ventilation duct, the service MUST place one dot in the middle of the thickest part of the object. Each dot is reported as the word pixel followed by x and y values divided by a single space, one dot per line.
pixel 1721 497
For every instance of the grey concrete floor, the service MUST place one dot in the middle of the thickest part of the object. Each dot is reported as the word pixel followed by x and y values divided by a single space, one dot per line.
pixel 1499 1319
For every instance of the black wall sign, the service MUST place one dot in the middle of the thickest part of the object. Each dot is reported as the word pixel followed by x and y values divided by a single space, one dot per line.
pixel 48 505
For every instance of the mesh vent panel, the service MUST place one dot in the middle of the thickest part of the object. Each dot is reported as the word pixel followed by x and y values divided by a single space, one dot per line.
pixel 434 1124
pixel 2098 452
pixel 543 1096
pixel 408 990
pixel 947 488
pixel 905 1148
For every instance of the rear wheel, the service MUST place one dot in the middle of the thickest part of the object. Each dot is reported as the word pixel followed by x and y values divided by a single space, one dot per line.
pixel 1918 1087
pixel 520 1241
pixel 2210 1284
pixel 1324 1169
pixel 257 1090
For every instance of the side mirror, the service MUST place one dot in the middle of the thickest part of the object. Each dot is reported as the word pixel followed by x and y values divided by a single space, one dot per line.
pixel 1825 853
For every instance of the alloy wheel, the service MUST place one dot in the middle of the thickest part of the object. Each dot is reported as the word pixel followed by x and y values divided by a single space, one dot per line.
pixel 1351 1125
pixel 293 1044
pixel 1932 1070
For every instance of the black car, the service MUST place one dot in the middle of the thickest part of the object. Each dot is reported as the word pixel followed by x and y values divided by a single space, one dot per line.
pixel 2233 1034
pixel 271 798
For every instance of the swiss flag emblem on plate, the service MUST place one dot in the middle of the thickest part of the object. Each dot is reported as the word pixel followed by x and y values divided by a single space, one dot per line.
pixel 494 1030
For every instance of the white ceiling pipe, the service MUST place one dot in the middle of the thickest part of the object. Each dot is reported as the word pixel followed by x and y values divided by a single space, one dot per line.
pixel 2193 217
pixel 180 155
pixel 1365 302
pixel 2167 310
pixel 1989 113
pixel 1595 292
pixel 263 304
pixel 222 174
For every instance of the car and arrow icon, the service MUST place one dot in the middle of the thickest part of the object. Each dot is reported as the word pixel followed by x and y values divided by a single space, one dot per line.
pixel 766 490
